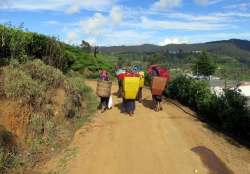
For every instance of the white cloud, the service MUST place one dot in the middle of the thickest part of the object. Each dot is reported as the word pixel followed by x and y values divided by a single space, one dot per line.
pixel 168 24
pixel 51 22
pixel 166 4
pixel 242 6
pixel 57 5
pixel 127 37
pixel 209 18
pixel 7 3
pixel 91 41
pixel 174 41
pixel 206 2
pixel 201 2
pixel 93 26
pixel 71 37
pixel 115 15
pixel 73 9
pixel 65 29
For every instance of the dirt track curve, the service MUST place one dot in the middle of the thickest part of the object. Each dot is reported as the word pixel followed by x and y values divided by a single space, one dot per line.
pixel 169 141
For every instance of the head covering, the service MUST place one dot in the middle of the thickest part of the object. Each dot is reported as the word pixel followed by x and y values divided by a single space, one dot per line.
pixel 103 75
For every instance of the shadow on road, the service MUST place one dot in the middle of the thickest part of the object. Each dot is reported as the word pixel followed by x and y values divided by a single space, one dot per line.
pixel 148 103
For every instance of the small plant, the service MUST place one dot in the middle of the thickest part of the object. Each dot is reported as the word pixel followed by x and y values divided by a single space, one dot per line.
pixel 36 124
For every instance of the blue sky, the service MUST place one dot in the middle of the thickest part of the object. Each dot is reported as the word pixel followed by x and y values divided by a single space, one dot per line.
pixel 131 22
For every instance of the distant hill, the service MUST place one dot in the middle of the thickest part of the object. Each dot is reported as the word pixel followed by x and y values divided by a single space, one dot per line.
pixel 236 48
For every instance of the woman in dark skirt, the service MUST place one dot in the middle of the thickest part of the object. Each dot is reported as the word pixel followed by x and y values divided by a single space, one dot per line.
pixel 104 100
pixel 129 105
pixel 157 99
pixel 104 103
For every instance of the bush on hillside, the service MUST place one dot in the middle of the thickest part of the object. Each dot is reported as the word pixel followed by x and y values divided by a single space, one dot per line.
pixel 50 103
pixel 229 111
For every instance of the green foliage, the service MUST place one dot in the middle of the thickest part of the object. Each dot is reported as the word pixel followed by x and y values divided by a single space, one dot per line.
pixel 156 58
pixel 7 154
pixel 147 78
pixel 79 60
pixel 178 89
pixel 23 46
pixel 45 74
pixel 18 83
pixel 229 110
pixel 235 116
pixel 92 75
pixel 204 64
pixel 85 46
pixel 36 124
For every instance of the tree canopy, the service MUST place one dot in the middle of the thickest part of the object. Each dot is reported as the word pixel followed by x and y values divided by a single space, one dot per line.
pixel 204 64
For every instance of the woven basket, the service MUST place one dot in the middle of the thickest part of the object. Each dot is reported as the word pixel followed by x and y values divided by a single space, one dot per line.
pixel 130 87
pixel 103 88
pixel 158 85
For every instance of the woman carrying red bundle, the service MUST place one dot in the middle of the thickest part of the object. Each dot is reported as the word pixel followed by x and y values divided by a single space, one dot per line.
pixel 155 70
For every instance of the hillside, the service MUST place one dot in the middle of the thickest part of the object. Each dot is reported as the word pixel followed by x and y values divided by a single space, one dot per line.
pixel 238 49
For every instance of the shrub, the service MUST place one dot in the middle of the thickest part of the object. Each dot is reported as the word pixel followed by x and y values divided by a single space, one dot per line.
pixel 235 116
pixel 179 89
pixel 18 83
pixel 228 111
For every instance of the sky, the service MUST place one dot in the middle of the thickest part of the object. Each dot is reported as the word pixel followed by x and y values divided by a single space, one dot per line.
pixel 131 22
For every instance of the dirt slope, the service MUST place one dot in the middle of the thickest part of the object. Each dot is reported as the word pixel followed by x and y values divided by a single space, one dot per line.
pixel 169 141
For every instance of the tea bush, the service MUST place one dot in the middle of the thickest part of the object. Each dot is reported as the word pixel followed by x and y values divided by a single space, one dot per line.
pixel 229 111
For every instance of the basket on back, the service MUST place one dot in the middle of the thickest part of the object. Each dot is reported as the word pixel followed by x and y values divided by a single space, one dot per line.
pixel 103 88
pixel 130 87
pixel 158 85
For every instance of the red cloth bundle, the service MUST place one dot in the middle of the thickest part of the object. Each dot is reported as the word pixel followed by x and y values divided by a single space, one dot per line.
pixel 127 74
pixel 157 71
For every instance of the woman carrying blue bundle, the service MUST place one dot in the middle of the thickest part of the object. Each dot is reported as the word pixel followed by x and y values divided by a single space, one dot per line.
pixel 104 100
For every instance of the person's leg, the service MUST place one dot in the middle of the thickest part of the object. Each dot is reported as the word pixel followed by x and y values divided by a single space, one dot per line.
pixel 140 95
pixel 155 102
pixel 157 106
pixel 130 106
pixel 104 103
pixel 103 108
pixel 160 104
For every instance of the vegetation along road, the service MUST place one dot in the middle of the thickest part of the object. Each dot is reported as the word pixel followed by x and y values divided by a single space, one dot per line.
pixel 170 141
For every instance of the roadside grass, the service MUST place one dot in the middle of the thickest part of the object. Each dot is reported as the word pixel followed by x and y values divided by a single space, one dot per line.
pixel 69 154
pixel 54 117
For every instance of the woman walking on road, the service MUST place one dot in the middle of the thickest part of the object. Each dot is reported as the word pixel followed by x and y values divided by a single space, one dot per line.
pixel 129 105
pixel 104 100
pixel 157 99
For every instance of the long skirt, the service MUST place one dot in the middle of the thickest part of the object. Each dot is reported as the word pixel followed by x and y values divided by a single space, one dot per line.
pixel 104 101
pixel 157 98
pixel 129 104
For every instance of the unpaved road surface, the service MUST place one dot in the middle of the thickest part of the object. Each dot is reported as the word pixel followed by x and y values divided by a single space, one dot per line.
pixel 170 141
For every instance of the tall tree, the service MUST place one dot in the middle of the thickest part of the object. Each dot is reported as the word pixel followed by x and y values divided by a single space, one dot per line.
pixel 204 64
pixel 85 46
pixel 156 58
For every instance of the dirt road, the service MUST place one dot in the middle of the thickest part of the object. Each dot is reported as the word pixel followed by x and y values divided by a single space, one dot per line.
pixel 169 141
